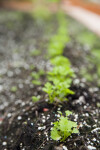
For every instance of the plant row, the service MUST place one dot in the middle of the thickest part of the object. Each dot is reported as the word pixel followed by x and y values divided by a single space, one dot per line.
pixel 60 80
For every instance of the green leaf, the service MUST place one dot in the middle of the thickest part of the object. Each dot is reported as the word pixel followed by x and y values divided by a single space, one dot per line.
pixel 36 82
pixel 36 98
pixel 75 130
pixel 63 124
pixel 14 88
pixel 68 113
pixel 63 128
pixel 60 61
pixel 55 135
pixel 35 52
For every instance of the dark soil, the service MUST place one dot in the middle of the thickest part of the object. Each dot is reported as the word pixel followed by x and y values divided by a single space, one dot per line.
pixel 25 125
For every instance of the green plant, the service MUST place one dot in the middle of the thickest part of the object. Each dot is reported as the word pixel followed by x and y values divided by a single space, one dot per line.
pixel 36 98
pixel 35 52
pixel 63 128
pixel 32 67
pixel 36 82
pixel 41 72
pixel 61 72
pixel 14 88
pixel 60 78
pixel 57 91
pixel 35 75
pixel 55 49
pixel 58 42
pixel 60 61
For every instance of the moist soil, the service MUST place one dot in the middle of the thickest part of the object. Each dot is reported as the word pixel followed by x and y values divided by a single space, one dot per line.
pixel 26 125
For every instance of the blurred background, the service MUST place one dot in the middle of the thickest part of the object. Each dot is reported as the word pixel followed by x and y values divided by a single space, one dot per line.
pixel 90 19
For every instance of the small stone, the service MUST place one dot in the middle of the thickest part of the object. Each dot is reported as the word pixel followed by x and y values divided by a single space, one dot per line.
pixel 19 118
pixel 65 148
pixel 43 117
pixel 43 120
pixel 94 139
pixel 4 143
pixel 96 129
pixel 9 115
pixel 45 109
pixel 41 128
pixel 10 74
pixel 32 124
pixel 91 147
pixel 28 119
pixel 58 116
pixel 23 104
pixel 59 109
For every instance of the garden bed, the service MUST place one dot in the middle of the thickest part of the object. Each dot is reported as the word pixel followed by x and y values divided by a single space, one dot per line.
pixel 24 124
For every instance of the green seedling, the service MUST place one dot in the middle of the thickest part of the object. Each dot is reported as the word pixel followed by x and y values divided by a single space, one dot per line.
pixel 56 48
pixel 36 82
pixel 60 61
pixel 35 52
pixel 63 128
pixel 58 42
pixel 60 78
pixel 36 98
pixel 14 88
pixel 57 92
pixel 32 67
pixel 61 71
pixel 35 75
pixel 41 72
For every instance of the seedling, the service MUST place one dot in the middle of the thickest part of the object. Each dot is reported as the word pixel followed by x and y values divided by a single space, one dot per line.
pixel 58 91
pixel 60 81
pixel 58 42
pixel 60 61
pixel 41 72
pixel 63 72
pixel 63 128
pixel 35 52
pixel 32 67
pixel 55 48
pixel 36 98
pixel 36 82
pixel 14 89
pixel 35 75
pixel 60 78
